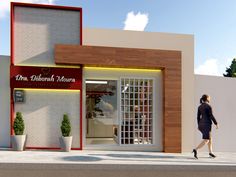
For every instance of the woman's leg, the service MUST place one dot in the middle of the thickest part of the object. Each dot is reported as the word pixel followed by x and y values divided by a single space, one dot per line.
pixel 210 144
pixel 204 141
pixel 210 147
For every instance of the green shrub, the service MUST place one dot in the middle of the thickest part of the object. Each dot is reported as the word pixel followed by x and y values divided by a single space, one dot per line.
pixel 18 124
pixel 65 126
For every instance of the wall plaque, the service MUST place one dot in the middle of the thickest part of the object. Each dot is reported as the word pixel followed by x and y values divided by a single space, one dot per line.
pixel 19 96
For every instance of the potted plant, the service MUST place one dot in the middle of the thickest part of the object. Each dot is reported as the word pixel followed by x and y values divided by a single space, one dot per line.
pixel 66 139
pixel 18 140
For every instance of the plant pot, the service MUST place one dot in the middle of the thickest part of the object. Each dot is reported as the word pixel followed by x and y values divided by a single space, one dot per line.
pixel 66 143
pixel 18 142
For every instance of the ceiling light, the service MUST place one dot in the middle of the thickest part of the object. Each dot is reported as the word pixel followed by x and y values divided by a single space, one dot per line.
pixel 96 82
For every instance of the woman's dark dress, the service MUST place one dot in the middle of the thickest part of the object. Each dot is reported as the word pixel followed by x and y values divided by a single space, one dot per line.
pixel 204 119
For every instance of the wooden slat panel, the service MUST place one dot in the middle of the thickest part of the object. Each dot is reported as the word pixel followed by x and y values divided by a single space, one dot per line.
pixel 119 57
pixel 168 61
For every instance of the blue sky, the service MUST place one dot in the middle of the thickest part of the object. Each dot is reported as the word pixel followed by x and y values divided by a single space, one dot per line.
pixel 212 22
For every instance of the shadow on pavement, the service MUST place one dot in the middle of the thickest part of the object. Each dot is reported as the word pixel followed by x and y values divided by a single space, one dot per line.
pixel 81 158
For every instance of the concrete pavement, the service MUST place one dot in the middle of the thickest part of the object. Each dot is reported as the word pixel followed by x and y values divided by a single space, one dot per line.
pixel 114 163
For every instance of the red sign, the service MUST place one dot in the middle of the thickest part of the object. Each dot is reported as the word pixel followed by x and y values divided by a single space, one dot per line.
pixel 45 77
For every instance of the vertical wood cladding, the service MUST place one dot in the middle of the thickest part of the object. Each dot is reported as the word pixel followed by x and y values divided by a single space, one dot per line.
pixel 168 61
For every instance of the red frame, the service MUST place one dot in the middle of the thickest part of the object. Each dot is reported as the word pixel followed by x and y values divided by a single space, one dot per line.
pixel 45 6
pixel 13 4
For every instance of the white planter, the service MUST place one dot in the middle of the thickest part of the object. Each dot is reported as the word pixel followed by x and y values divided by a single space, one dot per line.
pixel 66 143
pixel 18 142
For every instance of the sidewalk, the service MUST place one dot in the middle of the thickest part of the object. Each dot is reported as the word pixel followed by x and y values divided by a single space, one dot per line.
pixel 116 163
pixel 115 157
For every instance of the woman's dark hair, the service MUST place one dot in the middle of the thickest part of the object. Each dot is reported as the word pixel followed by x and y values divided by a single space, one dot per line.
pixel 203 98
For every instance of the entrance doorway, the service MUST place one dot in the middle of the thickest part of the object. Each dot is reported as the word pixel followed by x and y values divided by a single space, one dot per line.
pixel 123 109
pixel 101 112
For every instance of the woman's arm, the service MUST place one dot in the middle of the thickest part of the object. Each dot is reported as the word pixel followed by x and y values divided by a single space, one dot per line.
pixel 212 116
pixel 198 116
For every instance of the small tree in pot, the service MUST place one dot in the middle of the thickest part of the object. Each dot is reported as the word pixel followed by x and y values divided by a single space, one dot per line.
pixel 18 140
pixel 66 139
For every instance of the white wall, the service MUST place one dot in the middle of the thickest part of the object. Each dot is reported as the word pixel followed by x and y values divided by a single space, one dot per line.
pixel 223 101
pixel 4 101
pixel 154 40
pixel 43 112
pixel 37 30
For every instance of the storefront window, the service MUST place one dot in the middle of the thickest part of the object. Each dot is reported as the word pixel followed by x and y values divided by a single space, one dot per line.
pixel 101 112
pixel 135 125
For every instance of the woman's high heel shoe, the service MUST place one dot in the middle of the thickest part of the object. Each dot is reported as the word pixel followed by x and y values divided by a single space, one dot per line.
pixel 195 153
pixel 212 155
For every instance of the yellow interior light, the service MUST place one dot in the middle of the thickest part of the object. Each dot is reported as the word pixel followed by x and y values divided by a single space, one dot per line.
pixel 122 69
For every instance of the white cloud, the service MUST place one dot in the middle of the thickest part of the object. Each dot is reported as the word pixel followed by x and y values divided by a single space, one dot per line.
pixel 5 5
pixel 136 22
pixel 213 67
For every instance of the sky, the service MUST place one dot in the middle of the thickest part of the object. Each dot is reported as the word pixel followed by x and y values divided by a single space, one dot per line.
pixel 212 22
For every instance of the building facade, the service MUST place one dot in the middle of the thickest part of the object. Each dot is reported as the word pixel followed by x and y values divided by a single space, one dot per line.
pixel 123 90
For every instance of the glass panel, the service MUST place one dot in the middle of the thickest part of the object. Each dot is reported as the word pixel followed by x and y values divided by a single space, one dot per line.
pixel 102 123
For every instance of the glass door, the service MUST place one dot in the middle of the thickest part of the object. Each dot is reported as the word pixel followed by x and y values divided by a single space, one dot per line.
pixel 136 111
pixel 102 123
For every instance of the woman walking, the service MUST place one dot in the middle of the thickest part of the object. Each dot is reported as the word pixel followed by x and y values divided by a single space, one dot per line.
pixel 205 119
